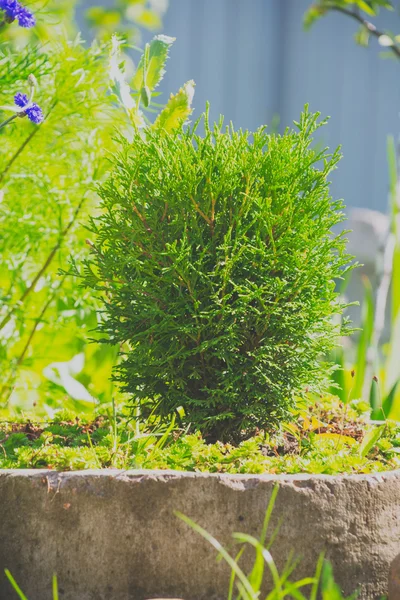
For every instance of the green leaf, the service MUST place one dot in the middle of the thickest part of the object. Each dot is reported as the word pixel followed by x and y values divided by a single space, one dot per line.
pixel 362 36
pixel 119 84
pixel 149 19
pixel 117 75
pixel 15 586
pixel 225 555
pixel 370 439
pixel 55 588
pixel 375 398
pixel 177 109
pixel 145 95
pixel 257 573
pixel 393 183
pixel 338 385
pixel 366 7
pixel 387 404
pixel 329 588
pixel 392 368
pixel 157 55
pixel 367 327
pixel 314 13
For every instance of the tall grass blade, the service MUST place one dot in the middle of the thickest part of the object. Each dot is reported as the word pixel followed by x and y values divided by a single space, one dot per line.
pixel 388 402
pixel 375 399
pixel 257 573
pixel 233 575
pixel 317 577
pixel 338 387
pixel 221 550
pixel 370 439
pixel 15 585
pixel 394 211
pixel 367 327
pixel 249 539
pixel 55 588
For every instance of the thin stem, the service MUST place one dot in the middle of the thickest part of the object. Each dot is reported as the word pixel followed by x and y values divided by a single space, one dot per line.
pixel 380 310
pixel 7 387
pixel 14 116
pixel 17 153
pixel 23 146
pixel 367 24
pixel 44 267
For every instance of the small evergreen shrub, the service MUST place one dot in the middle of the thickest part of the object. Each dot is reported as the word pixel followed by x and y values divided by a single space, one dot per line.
pixel 216 259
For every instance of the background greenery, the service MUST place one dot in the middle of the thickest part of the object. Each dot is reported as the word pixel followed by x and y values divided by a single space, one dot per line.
pixel 46 360
pixel 46 194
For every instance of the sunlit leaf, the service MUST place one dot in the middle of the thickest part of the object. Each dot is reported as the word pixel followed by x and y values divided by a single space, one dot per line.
pixel 370 439
pixel 366 7
pixel 375 398
pixel 117 74
pixel 149 19
pixel 362 36
pixel 155 68
pixel 364 341
pixel 388 402
pixel 337 437
pixel 177 109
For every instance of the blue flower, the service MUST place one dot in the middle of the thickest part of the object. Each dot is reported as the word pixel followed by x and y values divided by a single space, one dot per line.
pixel 31 109
pixel 14 10
pixel 10 7
pixel 25 17
pixel 21 99
pixel 35 114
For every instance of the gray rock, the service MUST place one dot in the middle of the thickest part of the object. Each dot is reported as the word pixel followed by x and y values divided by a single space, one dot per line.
pixel 394 579
pixel 113 535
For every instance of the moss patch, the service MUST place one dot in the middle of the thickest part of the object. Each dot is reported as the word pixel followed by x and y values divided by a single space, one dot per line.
pixel 328 437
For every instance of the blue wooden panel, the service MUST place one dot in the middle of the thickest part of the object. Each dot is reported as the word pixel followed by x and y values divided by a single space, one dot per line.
pixel 252 60
pixel 228 48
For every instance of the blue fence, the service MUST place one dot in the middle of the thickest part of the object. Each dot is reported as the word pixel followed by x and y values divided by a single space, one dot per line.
pixel 253 61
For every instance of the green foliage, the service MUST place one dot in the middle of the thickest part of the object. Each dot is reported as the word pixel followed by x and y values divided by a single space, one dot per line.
pixel 46 320
pixel 21 594
pixel 360 11
pixel 329 588
pixel 252 586
pixel 53 20
pixel 139 91
pixel 320 7
pixel 374 374
pixel 47 174
pixel 177 110
pixel 126 17
pixel 151 67
pixel 329 441
pixel 216 261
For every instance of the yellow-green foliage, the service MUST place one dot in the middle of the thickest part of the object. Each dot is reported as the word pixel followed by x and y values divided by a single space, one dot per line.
pixel 217 262
pixel 47 176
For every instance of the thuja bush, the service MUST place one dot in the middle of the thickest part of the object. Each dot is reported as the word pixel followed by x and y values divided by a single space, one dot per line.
pixel 216 259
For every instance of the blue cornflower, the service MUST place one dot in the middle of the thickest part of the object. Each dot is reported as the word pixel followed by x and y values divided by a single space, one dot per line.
pixel 31 109
pixel 14 10
pixel 21 99
pixel 10 7
pixel 25 17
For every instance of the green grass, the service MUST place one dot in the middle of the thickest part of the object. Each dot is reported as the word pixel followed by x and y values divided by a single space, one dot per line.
pixel 328 438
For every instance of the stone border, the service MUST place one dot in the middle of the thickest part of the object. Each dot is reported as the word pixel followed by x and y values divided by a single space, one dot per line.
pixel 113 535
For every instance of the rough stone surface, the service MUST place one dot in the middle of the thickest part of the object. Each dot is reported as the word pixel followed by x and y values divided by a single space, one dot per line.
pixel 112 535
pixel 394 579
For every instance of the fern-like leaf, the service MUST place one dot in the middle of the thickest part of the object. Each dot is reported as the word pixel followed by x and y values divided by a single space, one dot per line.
pixel 177 109
pixel 155 68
